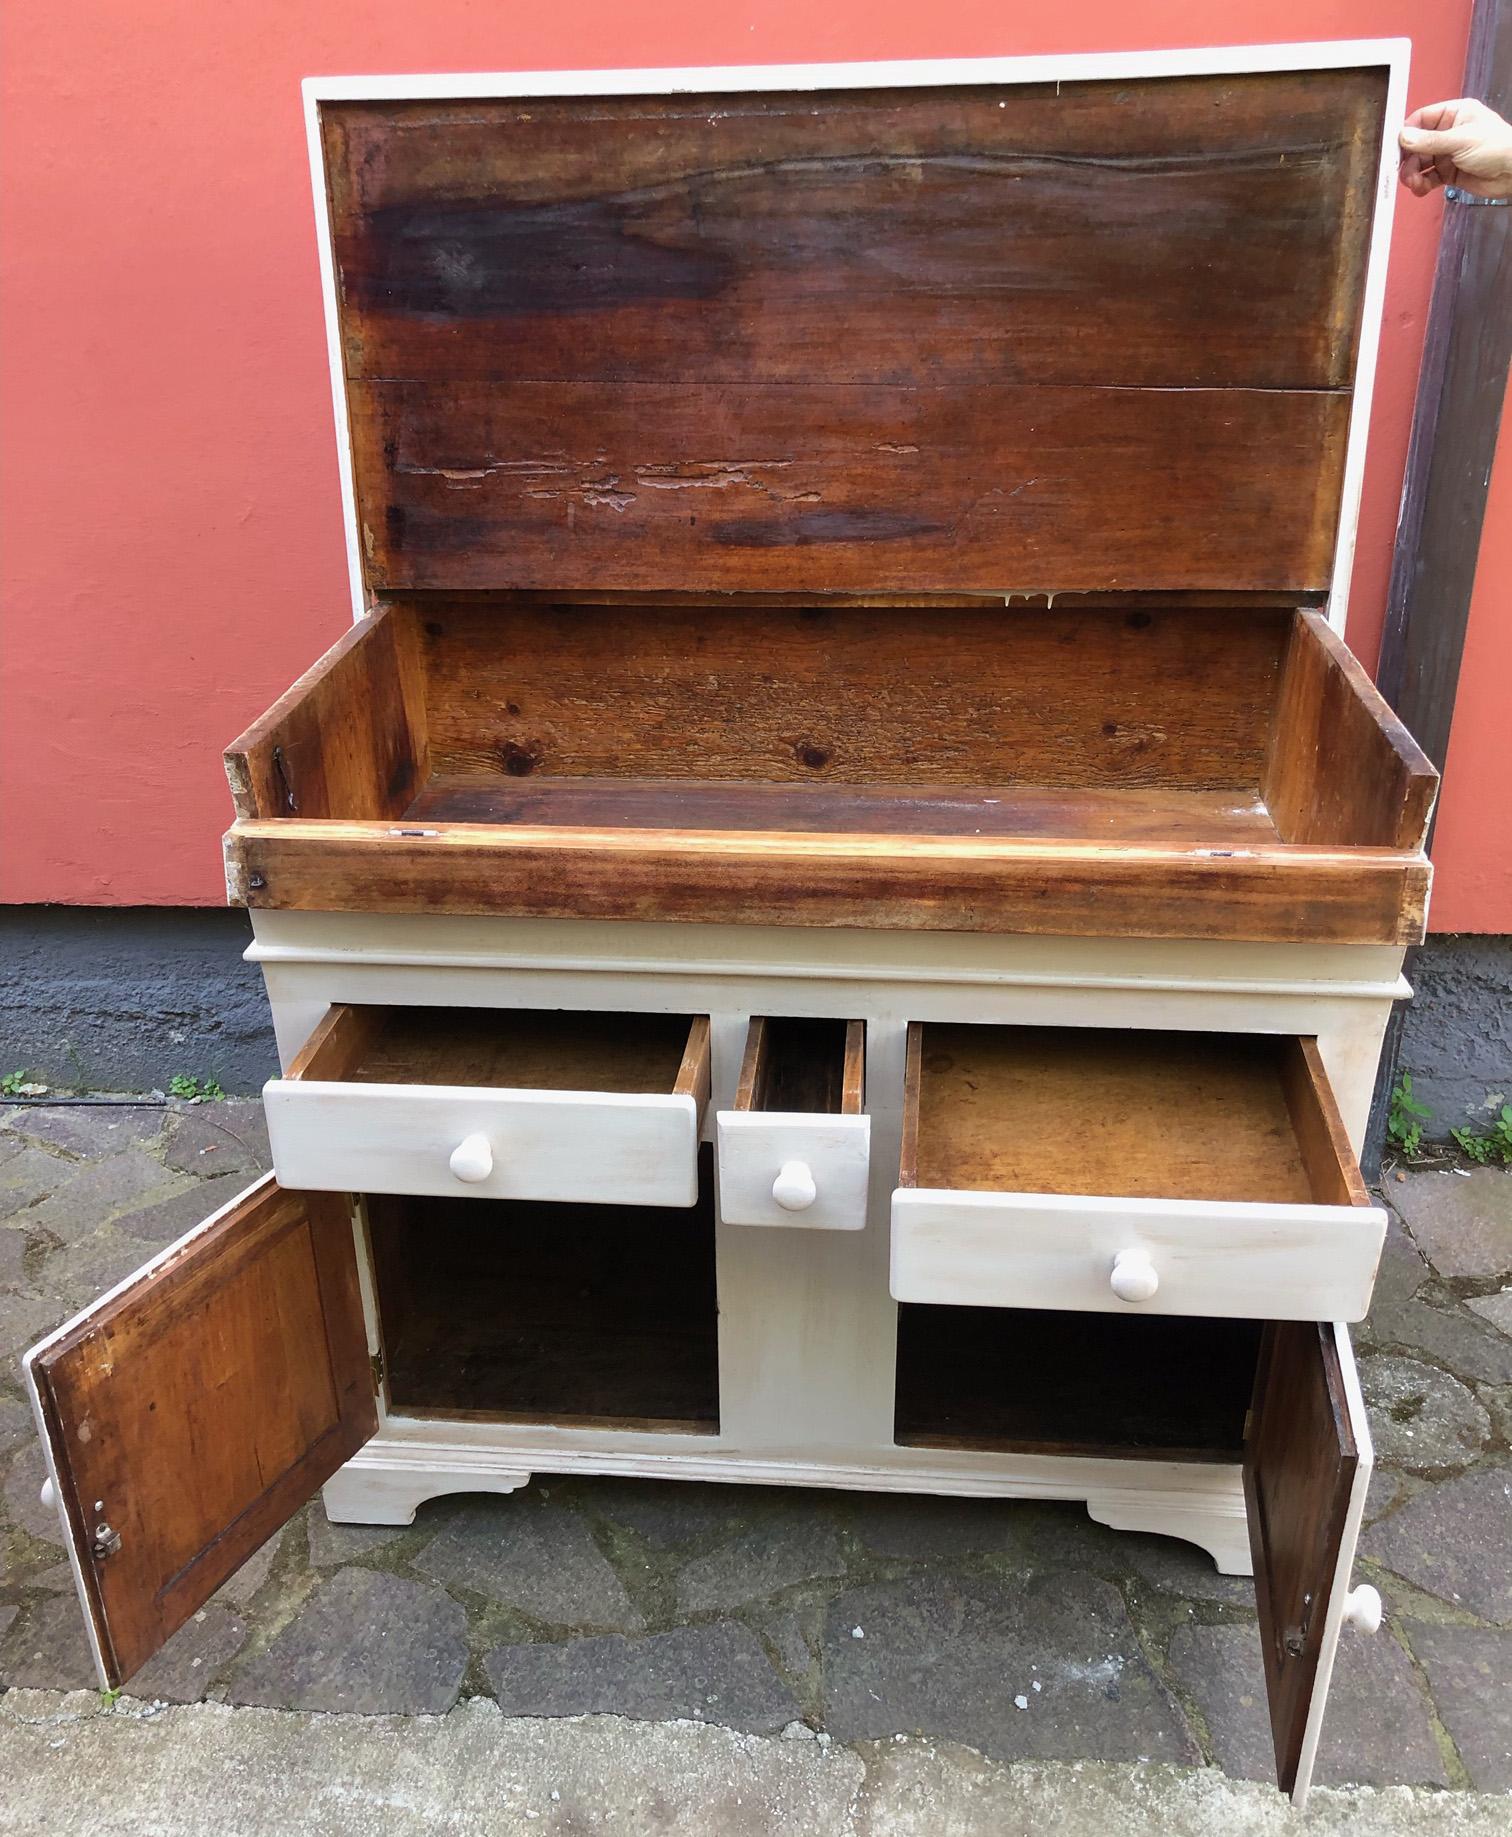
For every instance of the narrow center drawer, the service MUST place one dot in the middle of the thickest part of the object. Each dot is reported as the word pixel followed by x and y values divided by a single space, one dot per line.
pixel 496 1103
pixel 796 1147
pixel 1174 1173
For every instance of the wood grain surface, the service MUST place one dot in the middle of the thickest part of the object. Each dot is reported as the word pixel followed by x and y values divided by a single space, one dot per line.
pixel 1341 766
pixel 348 739
pixel 515 1048
pixel 990 1378
pixel 1158 814
pixel 826 487
pixel 1093 336
pixel 875 882
pixel 197 1410
pixel 559 1313
pixel 1089 1110
pixel 1322 1140
pixel 806 1066
pixel 967 697
pixel 1299 1466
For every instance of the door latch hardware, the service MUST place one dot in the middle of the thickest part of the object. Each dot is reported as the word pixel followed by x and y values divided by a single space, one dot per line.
pixel 1295 1640
pixel 105 1542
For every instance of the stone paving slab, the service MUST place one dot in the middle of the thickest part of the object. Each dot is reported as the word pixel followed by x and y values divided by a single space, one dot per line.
pixel 90 1131
pixel 715 1673
pixel 1469 1671
pixel 1461 1221
pixel 1048 1669
pixel 1496 1308
pixel 538 1559
pixel 374 1643
pixel 1380 1725
pixel 1422 1419
pixel 741 1604
pixel 1453 1540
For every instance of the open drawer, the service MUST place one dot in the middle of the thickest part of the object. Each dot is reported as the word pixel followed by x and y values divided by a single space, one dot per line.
pixel 1174 1173
pixel 796 1148
pixel 496 1103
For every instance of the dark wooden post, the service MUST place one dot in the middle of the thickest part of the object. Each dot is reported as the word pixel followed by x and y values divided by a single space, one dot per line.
pixel 1454 432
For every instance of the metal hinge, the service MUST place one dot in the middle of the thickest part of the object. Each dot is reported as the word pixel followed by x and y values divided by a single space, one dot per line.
pixel 378 1372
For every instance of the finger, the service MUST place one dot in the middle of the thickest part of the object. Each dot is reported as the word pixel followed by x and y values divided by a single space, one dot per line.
pixel 1420 177
pixel 1437 142
pixel 1438 115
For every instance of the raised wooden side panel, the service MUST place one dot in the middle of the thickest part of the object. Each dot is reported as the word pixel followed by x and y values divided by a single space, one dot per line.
pixel 348 739
pixel 1342 767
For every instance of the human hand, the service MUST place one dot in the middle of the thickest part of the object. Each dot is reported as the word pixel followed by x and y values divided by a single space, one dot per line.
pixel 1461 143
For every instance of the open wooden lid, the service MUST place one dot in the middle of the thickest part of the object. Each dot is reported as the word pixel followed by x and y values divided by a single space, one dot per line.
pixel 1092 336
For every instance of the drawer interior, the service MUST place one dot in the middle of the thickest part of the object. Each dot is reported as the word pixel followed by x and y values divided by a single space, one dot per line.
pixel 1054 1383
pixel 519 1049
pixel 1183 724
pixel 533 1312
pixel 1132 1115
pixel 803 1066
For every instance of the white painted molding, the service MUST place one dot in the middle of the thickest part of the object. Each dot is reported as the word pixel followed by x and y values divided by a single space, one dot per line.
pixel 900 73
pixel 1372 313
pixel 1220 1528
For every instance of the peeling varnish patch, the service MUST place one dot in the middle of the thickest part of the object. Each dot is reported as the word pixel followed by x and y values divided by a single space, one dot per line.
pixel 605 495
pixel 608 492
pixel 895 446
pixel 474 475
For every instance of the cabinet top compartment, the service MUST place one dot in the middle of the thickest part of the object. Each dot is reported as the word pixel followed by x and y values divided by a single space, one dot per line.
pixel 856 506
pixel 1123 773
pixel 970 338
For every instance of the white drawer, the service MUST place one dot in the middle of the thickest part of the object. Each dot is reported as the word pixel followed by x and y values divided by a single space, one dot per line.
pixel 796 1148
pixel 495 1104
pixel 1165 1173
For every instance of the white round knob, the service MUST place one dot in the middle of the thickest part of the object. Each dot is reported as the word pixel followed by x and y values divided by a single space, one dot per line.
pixel 49 1494
pixel 472 1159
pixel 1363 1609
pixel 1134 1276
pixel 794 1188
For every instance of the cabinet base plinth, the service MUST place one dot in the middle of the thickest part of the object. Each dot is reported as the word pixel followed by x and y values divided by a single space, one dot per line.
pixel 1220 1528
pixel 412 1460
pixel 383 1487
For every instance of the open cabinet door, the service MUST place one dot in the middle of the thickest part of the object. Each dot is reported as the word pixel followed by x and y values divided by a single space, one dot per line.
pixel 191 1411
pixel 1307 1466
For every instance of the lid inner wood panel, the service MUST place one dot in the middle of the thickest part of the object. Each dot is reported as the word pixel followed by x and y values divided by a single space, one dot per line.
pixel 1095 335
pixel 524 1050
pixel 1142 1115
